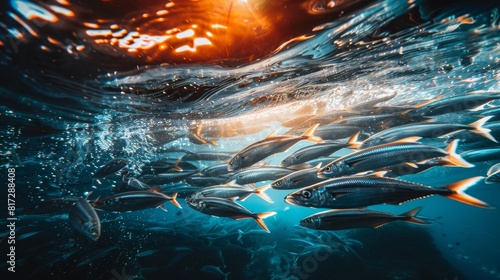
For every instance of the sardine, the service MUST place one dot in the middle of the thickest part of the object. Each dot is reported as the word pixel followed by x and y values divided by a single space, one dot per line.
pixel 204 181
pixel 357 218
pixel 231 191
pixel 268 146
pixel 135 200
pixel 401 151
pixel 426 130
pixel 361 191
pixel 315 151
pixel 165 178
pixel 111 167
pixel 221 207
pixel 298 179
pixel 258 174
pixel 84 219
pixel 441 106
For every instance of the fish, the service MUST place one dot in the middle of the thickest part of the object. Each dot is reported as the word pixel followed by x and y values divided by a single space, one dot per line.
pixel 481 155
pixel 493 174
pixel 298 179
pixel 231 191
pixel 258 174
pixel 441 106
pixel 221 207
pixel 214 271
pixel 402 151
pixel 135 200
pixel 84 219
pixel 195 137
pixel 426 130
pixel 330 132
pixel 111 167
pixel 166 178
pixel 357 218
pixel 215 170
pixel 315 151
pixel 361 191
pixel 270 145
pixel 204 181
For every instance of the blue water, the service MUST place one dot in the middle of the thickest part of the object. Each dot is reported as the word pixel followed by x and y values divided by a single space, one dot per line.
pixel 70 104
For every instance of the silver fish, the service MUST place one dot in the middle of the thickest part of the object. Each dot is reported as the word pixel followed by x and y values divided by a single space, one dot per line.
pixel 84 219
pixel 357 218
pixel 440 106
pixel 270 145
pixel 361 191
pixel 111 167
pixel 426 130
pixel 298 179
pixel 258 174
pixel 135 200
pixel 380 156
pixel 231 191
pixel 221 207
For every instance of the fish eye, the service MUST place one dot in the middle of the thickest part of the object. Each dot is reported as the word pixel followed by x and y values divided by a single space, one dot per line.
pixel 279 183
pixel 306 194
pixel 92 229
pixel 328 168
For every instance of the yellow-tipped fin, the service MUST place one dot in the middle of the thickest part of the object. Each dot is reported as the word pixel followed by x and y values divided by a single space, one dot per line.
pixel 436 98
pixel 353 143
pixel 454 159
pixel 176 166
pixel 378 174
pixel 260 192
pixel 458 192
pixel 174 200
pixel 259 218
pixel 309 134
pixel 162 207
pixel 213 142
pixel 412 216
pixel 412 139
pixel 271 134
pixel 479 129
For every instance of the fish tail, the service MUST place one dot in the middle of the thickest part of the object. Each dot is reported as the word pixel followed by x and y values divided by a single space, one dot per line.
pixel 454 159
pixel 176 166
pixel 479 129
pixel 212 142
pixel 411 216
pixel 259 218
pixel 260 192
pixel 353 143
pixel 309 134
pixel 458 192
pixel 174 200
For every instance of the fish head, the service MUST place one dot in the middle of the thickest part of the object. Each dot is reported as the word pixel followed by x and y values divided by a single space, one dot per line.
pixel 304 197
pixel 281 183
pixel 234 163
pixel 92 229
pixel 328 171
pixel 197 204
pixel 288 161
pixel 310 222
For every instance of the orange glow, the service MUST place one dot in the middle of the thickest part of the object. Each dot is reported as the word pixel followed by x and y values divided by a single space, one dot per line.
pixel 24 24
pixel 62 11
pixel 63 2
pixel 31 11
pixel 161 12
pixel 90 25
pixel 95 33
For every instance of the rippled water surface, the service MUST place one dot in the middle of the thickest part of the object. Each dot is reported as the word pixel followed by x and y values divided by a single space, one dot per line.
pixel 152 82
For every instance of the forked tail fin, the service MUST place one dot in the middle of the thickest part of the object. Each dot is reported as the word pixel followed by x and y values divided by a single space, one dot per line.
pixel 259 218
pixel 260 192
pixel 309 134
pixel 411 216
pixel 479 129
pixel 174 200
pixel 458 192
pixel 454 159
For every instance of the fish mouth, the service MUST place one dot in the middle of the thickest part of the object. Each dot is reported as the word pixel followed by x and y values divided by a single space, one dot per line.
pixel 291 200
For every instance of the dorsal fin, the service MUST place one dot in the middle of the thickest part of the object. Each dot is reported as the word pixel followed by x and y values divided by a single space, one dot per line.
pixel 271 134
pixel 412 139
pixel 436 98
